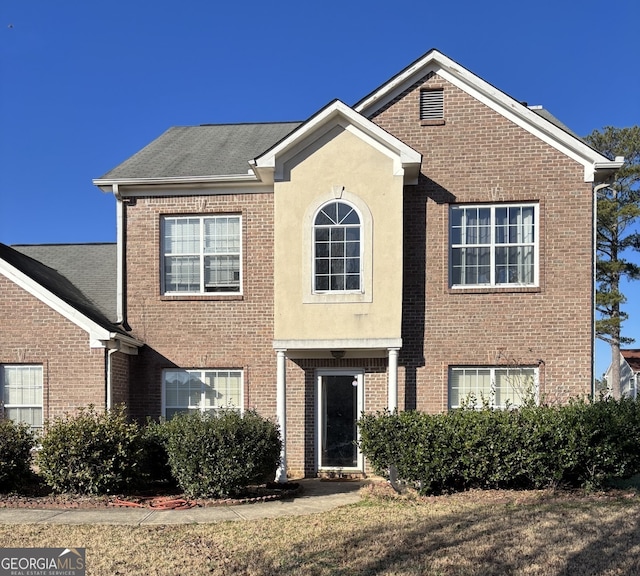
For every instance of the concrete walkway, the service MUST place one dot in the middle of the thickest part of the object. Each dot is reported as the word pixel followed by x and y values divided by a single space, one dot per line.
pixel 316 496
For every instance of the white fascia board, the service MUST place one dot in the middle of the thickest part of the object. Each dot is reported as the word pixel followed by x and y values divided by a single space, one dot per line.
pixel 97 333
pixel 106 184
pixel 496 100
pixel 335 114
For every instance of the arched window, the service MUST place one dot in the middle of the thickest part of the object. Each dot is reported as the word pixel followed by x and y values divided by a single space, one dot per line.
pixel 337 249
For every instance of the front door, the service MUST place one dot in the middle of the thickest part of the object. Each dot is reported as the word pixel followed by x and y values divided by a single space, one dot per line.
pixel 339 408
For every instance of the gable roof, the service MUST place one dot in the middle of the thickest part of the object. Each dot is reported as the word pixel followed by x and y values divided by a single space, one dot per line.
pixel 596 166
pixel 632 356
pixel 406 159
pixel 199 154
pixel 76 280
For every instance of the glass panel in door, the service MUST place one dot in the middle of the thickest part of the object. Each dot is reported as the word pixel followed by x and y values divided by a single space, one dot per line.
pixel 339 416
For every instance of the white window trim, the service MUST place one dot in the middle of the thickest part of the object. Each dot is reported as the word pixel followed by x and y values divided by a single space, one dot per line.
pixel 493 245
pixel 493 370
pixel 202 291
pixel 365 294
pixel 201 407
pixel 4 406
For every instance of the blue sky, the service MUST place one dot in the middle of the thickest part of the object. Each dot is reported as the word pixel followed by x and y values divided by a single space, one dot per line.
pixel 83 85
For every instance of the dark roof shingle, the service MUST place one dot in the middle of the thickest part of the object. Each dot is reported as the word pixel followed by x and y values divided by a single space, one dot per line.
pixel 207 150
pixel 83 275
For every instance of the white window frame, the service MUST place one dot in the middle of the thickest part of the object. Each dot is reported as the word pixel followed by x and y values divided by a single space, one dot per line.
pixel 202 404
pixel 493 245
pixel 38 388
pixel 514 372
pixel 315 241
pixel 201 254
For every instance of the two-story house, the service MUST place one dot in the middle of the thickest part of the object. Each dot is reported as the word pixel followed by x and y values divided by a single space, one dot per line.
pixel 433 241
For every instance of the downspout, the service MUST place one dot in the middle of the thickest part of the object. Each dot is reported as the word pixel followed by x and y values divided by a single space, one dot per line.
pixel 108 388
pixel 594 260
pixel 121 293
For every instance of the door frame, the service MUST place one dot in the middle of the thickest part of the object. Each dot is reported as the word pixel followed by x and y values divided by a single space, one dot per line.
pixel 358 374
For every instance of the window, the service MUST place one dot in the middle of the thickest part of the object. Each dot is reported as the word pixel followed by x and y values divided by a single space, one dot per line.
pixel 432 104
pixel 21 393
pixel 201 391
pixel 494 245
pixel 201 254
pixel 337 257
pixel 498 387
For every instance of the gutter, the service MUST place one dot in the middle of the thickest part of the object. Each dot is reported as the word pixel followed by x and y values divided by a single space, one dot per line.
pixel 106 183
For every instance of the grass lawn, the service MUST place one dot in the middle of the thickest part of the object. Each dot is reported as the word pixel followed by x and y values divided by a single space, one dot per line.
pixel 475 533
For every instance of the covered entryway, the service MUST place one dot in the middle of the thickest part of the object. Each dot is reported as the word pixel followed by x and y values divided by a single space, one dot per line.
pixel 340 402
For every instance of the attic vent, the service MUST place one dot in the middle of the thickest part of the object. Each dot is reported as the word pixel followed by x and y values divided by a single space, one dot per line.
pixel 432 104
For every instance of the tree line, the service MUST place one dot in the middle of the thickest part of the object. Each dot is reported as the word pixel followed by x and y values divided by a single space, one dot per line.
pixel 617 238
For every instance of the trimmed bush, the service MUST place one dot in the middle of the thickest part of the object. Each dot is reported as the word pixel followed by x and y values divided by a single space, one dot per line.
pixel 16 443
pixel 154 465
pixel 91 452
pixel 583 444
pixel 220 455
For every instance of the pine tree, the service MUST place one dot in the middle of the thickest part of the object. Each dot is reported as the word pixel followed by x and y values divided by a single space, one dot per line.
pixel 618 213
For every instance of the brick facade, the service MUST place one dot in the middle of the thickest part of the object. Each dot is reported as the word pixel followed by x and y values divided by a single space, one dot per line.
pixel 33 333
pixel 478 156
pixel 221 332
pixel 475 155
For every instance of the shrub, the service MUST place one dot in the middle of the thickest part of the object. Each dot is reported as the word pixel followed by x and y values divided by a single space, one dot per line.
pixel 91 452
pixel 16 443
pixel 583 444
pixel 219 456
pixel 154 464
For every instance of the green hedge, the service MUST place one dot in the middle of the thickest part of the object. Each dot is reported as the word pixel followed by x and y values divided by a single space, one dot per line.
pixel 16 443
pixel 219 456
pixel 91 452
pixel 582 444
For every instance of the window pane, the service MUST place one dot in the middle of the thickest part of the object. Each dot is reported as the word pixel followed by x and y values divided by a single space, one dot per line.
pixel 182 274
pixel 337 248
pixel 187 269
pixel 493 245
pixel 21 393
pixel 182 236
pixel 222 274
pixel 514 386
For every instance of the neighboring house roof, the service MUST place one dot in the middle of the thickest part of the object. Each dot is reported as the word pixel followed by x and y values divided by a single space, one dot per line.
pixel 632 356
pixel 200 151
pixel 82 276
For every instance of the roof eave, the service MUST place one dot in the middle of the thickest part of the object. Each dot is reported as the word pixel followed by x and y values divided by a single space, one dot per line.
pixel 107 184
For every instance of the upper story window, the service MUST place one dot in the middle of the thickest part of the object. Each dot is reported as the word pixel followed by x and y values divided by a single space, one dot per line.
pixel 497 387
pixel 337 249
pixel 21 393
pixel 201 254
pixel 494 245
pixel 206 390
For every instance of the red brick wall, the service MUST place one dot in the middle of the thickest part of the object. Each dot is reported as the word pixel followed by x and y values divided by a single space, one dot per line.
pixel 33 333
pixel 120 378
pixel 479 156
pixel 202 331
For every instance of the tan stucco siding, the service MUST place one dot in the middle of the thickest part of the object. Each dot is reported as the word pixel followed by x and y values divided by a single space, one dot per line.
pixel 340 165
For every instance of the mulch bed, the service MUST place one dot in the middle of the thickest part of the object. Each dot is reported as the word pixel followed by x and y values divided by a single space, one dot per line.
pixel 37 496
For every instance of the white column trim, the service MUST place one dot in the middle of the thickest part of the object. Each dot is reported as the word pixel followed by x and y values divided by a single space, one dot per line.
pixel 392 385
pixel 281 412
